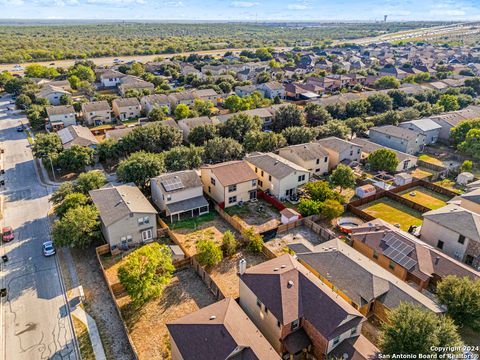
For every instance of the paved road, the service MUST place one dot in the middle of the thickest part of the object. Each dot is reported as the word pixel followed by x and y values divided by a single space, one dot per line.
pixel 34 323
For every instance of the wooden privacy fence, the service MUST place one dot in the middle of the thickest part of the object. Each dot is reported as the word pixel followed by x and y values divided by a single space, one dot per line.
pixel 325 234
pixel 207 280
pixel 231 220
pixel 271 200
pixel 431 166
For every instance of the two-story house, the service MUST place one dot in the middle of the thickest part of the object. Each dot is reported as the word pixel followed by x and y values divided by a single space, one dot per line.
pixel 149 102
pixel 77 135
pixel 97 112
pixel 310 156
pixel 127 108
pixel 52 93
pixel 272 90
pixel 61 116
pixel 229 183
pixel 340 151
pixel 179 193
pixel 126 216
pixel 187 125
pixel 427 127
pixel 405 140
pixel 110 78
pixel 296 312
pixel 277 175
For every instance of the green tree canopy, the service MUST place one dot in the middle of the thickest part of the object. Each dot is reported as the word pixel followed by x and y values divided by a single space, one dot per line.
pixel 299 134
pixel 155 137
pixel 343 176
pixel 182 111
pixel 335 128
pixel 287 116
pixel 449 102
pixel 69 202
pixel 208 253
pixel 239 125
pixel 321 191
pixel 140 167
pixel 263 141
pixel 458 133
pixel 308 207
pixel 387 82
pixel 383 159
pixel 201 134
pixel 75 158
pixel 183 158
pixel 331 209
pixel 46 145
pixel 222 149
pixel 229 243
pixel 78 227
pixel 316 114
pixel 380 103
pixel 90 180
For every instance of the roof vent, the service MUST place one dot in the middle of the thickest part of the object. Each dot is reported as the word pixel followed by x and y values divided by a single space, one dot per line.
pixel 275 269
pixel 213 317
pixel 290 283
pixel 283 266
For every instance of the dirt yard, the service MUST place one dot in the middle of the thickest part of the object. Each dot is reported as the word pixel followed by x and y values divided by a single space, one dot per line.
pixel 184 295
pixel 255 213
pixel 225 273
pixel 302 235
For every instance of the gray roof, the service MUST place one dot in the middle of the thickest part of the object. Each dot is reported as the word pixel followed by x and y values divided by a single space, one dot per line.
pixel 123 102
pixel 369 147
pixel 186 205
pixel 308 151
pixel 422 124
pixel 473 196
pixel 116 202
pixel 60 110
pixel 337 144
pixel 395 131
pixel 96 106
pixel 188 178
pixel 117 134
pixel 457 219
pixel 198 121
pixel 274 164
pixel 77 135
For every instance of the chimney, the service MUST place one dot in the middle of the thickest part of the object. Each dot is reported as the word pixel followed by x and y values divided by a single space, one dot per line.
pixel 242 266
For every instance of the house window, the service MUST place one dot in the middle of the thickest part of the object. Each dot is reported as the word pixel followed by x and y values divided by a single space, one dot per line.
pixel 209 189
pixel 440 244
pixel 146 220
pixel 375 254
pixel 169 197
pixel 254 182
pixel 256 169
pixel 212 181
pixel 232 199
pixel 147 235
pixel 123 239
pixel 266 310
pixel 301 178
pixel 391 265
pixel 461 239
pixel 140 221
pixel 260 183
pixel 269 177
pixel 326 159
pixel 259 303
pixel 336 340
pixel 351 153
pixel 261 173
pixel 295 324
pixel 278 323
pixel 129 238
pixel 232 188
pixel 318 161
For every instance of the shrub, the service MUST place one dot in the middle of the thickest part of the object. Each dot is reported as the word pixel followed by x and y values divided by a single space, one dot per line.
pixel 209 253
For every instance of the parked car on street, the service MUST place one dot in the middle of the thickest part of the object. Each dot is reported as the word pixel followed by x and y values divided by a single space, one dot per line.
pixel 7 234
pixel 48 248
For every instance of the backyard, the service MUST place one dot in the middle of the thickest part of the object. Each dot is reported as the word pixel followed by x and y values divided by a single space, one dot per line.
pixel 425 197
pixel 259 214
pixel 302 235
pixel 393 213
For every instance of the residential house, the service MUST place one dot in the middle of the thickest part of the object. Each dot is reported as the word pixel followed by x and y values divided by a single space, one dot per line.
pixel 296 312
pixel 420 263
pixel 111 78
pixel 61 116
pixel 427 127
pixel 245 90
pixel 397 138
pixel 149 102
pixel 52 93
pixel 365 285
pixel 77 135
pixel 134 83
pixel 265 114
pixel 187 125
pixel 277 175
pixel 229 183
pixel 118 133
pixel 127 108
pixel 310 156
pixel 206 95
pixel 405 161
pixel 183 97
pixel 179 193
pixel 97 113
pixel 126 216
pixel 451 119
pixel 272 89
pixel 219 331
pixel 340 151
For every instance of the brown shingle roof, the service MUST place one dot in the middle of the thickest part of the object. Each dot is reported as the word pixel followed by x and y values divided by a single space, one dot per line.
pixel 232 172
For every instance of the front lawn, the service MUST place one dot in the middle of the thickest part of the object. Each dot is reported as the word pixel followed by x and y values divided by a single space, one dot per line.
pixel 393 213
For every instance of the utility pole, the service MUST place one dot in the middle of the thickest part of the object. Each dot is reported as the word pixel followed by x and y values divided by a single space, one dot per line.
pixel 51 165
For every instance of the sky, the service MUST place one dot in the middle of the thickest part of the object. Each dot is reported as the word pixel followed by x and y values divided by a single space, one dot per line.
pixel 251 10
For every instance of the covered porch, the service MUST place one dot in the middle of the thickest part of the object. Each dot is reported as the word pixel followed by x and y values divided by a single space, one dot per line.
pixel 187 208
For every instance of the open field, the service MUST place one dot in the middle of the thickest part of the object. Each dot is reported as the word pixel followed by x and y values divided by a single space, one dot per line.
pixel 393 212
pixel 425 197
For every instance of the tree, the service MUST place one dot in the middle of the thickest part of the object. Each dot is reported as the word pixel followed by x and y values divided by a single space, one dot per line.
pixel 461 296
pixel 136 69
pixel 36 117
pixel 254 240
pixel 263 141
pixel 458 133
pixel 70 201
pixel 182 111
pixel 183 158
pixel 331 209
pixel 46 145
pixel 90 180
pixel 201 134
pixel 358 126
pixel 229 243
pixel 40 71
pixel 466 166
pixel 140 167
pixel 321 191
pixel 412 330
pixel 62 192
pixel 239 125
pixel 235 103
pixel 299 135
pixel 380 103
pixel 357 108
pixel 387 82
pixel 449 102
pixel 222 149
pixel 287 116
pixel 82 72
pixel 155 137
pixel 308 207
pixel 316 114
pixel 208 253
pixel 109 151
pixel 23 101
pixel 399 98
pixel 471 145
pixel 263 77
pixel 335 128
pixel 75 158
pixel 383 159
pixel 158 114
pixel 78 227
pixel 146 271
pixel 343 176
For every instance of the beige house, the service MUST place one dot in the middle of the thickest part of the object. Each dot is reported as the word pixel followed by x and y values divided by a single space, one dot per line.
pixel 183 97
pixel 206 95
pixel 97 113
pixel 311 156
pixel 127 218
pixel 179 193
pixel 130 82
pixel 229 183
pixel 150 102
pixel 61 116
pixel 125 109
pixel 77 135
pixel 276 175
pixel 52 93
pixel 340 151
pixel 188 124
pixel 218 331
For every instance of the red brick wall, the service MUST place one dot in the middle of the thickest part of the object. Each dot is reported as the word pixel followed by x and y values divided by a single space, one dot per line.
pixel 320 344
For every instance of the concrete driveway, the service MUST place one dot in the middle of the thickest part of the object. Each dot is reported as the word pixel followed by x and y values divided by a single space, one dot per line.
pixel 34 318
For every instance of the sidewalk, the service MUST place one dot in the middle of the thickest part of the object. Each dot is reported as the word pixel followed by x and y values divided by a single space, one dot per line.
pixel 93 333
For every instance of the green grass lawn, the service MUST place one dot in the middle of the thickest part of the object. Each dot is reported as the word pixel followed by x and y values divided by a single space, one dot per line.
pixel 192 223
pixel 425 197
pixel 393 213
pixel 430 160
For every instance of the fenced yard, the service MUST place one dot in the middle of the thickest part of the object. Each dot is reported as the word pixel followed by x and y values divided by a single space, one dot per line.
pixel 260 215
pixel 425 197
pixel 393 212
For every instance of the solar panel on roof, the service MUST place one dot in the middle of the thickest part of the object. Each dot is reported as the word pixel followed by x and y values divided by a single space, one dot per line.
pixel 172 184
pixel 398 251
